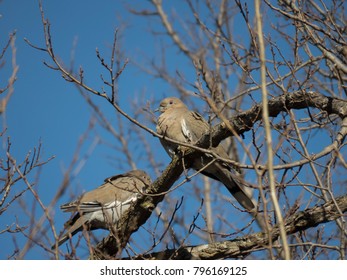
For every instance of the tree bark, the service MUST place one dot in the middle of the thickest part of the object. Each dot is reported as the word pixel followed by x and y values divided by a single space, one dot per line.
pixel 241 247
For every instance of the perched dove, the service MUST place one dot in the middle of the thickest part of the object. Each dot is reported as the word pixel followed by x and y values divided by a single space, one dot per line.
pixel 180 124
pixel 102 207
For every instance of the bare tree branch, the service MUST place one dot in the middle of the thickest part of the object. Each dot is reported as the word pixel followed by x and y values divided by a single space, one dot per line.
pixel 241 247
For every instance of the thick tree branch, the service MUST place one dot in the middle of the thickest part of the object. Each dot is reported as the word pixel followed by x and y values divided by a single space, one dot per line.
pixel 240 247
pixel 296 100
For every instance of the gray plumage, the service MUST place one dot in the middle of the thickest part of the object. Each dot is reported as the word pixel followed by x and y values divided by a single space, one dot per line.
pixel 102 207
pixel 179 123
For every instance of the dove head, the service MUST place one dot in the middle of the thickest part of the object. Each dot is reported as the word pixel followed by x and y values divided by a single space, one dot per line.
pixel 170 102
pixel 143 176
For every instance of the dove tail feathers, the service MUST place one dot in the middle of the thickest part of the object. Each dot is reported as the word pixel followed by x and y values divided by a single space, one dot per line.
pixel 72 227
pixel 242 198
pixel 225 176
pixel 61 241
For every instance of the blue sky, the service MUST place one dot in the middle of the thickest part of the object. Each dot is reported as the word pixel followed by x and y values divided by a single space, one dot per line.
pixel 45 108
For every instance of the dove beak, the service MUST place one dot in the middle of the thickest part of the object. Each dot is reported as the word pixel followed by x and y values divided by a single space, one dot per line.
pixel 159 109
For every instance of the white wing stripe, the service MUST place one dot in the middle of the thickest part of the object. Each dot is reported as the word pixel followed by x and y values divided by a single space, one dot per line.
pixel 185 130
